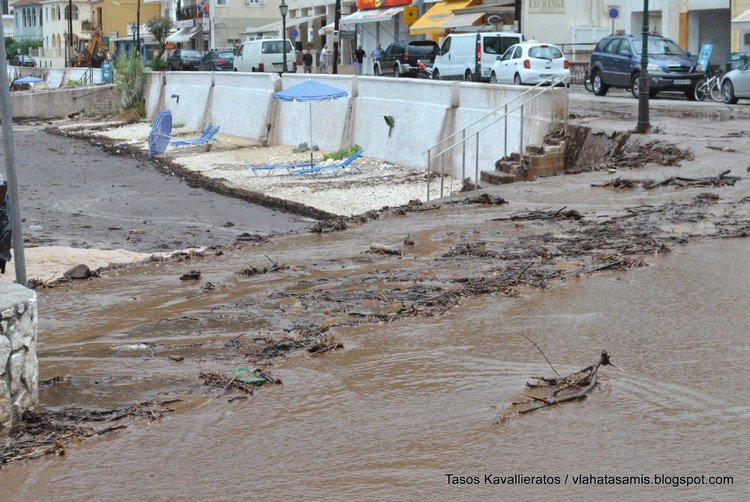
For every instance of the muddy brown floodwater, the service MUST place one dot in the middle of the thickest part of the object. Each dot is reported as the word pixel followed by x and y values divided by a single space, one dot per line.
pixel 660 278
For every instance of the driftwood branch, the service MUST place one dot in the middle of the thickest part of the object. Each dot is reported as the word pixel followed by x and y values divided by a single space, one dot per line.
pixel 552 391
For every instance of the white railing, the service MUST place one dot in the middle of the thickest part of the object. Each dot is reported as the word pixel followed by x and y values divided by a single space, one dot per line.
pixel 549 83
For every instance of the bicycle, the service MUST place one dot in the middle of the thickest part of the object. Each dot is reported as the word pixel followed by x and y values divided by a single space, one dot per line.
pixel 587 80
pixel 710 86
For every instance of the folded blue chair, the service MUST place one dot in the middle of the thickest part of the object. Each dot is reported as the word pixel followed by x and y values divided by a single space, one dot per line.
pixel 160 134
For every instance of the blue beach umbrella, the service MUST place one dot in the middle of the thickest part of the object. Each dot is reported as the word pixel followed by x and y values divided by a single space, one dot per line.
pixel 28 80
pixel 310 91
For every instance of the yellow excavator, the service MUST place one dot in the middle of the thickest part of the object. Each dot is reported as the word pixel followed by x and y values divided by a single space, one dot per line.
pixel 93 53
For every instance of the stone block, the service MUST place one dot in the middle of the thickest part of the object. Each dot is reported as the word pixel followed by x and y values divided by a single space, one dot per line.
pixel 547 164
pixel 6 406
pixel 5 351
pixel 17 360
pixel 496 177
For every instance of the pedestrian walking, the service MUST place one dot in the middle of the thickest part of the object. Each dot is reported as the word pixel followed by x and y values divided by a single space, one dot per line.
pixel 376 53
pixel 323 61
pixel 359 60
pixel 307 60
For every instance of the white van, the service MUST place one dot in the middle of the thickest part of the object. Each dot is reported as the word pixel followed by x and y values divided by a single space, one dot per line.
pixel 265 54
pixel 469 56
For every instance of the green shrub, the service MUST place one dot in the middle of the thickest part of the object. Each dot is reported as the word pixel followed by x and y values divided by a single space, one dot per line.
pixel 342 154
pixel 130 79
pixel 158 64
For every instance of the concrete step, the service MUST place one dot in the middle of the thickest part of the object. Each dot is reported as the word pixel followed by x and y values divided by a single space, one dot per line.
pixel 496 177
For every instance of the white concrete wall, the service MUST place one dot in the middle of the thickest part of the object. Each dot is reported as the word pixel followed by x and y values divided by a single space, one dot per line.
pixel 473 114
pixel 242 102
pixel 187 95
pixel 424 112
pixel 420 109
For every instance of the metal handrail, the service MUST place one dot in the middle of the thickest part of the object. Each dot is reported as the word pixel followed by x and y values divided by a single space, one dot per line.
pixel 551 81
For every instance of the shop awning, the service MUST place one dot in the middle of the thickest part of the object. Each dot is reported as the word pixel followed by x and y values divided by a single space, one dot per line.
pixel 277 26
pixel 371 15
pixel 743 18
pixel 328 29
pixel 439 17
pixel 183 35
pixel 459 20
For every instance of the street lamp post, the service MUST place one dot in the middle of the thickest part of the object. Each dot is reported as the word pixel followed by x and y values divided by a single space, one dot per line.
pixel 643 87
pixel 133 29
pixel 70 33
pixel 138 29
pixel 283 10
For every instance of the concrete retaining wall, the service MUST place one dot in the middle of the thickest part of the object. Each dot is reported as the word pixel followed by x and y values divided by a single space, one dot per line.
pixel 424 112
pixel 19 368
pixel 95 100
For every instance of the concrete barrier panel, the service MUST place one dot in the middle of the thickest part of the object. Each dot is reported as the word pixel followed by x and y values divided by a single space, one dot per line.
pixel 242 103
pixel 153 93
pixel 55 77
pixel 421 110
pixel 329 118
pixel 187 95
pixel 477 101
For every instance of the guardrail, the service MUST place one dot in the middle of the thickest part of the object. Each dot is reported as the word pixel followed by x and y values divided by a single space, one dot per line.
pixel 550 83
pixel 87 77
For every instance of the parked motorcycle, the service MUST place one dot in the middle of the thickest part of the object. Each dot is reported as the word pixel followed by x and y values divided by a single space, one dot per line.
pixel 424 70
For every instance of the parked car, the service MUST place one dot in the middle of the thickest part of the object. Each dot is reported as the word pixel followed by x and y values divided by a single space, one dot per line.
pixel 616 62
pixel 22 60
pixel 184 59
pixel 530 63
pixel 400 58
pixel 735 85
pixel 217 61
pixel 470 56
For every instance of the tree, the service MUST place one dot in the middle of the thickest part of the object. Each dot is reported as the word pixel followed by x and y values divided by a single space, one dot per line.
pixel 160 28
pixel 20 46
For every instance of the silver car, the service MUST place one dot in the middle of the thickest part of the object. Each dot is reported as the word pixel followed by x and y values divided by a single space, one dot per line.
pixel 736 85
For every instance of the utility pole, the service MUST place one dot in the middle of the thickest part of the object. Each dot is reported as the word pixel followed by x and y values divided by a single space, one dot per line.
pixel 70 32
pixel 138 29
pixel 10 170
pixel 517 15
pixel 643 90
pixel 336 36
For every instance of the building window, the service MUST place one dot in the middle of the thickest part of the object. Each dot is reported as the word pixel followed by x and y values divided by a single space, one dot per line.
pixel 221 3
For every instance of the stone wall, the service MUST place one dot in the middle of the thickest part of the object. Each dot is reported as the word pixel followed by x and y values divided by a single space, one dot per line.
pixel 19 369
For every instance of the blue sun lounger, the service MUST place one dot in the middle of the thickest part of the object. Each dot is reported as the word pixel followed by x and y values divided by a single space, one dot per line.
pixel 205 139
pixel 288 168
pixel 322 167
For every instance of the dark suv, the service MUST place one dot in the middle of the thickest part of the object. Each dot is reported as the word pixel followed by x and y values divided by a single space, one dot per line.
pixel 184 59
pixel 616 62
pixel 400 58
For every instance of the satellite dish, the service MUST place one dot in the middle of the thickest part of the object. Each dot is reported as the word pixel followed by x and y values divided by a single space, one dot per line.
pixel 494 19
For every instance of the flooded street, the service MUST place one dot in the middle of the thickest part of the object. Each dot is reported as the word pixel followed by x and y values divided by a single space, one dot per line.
pixel 408 402
pixel 436 341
